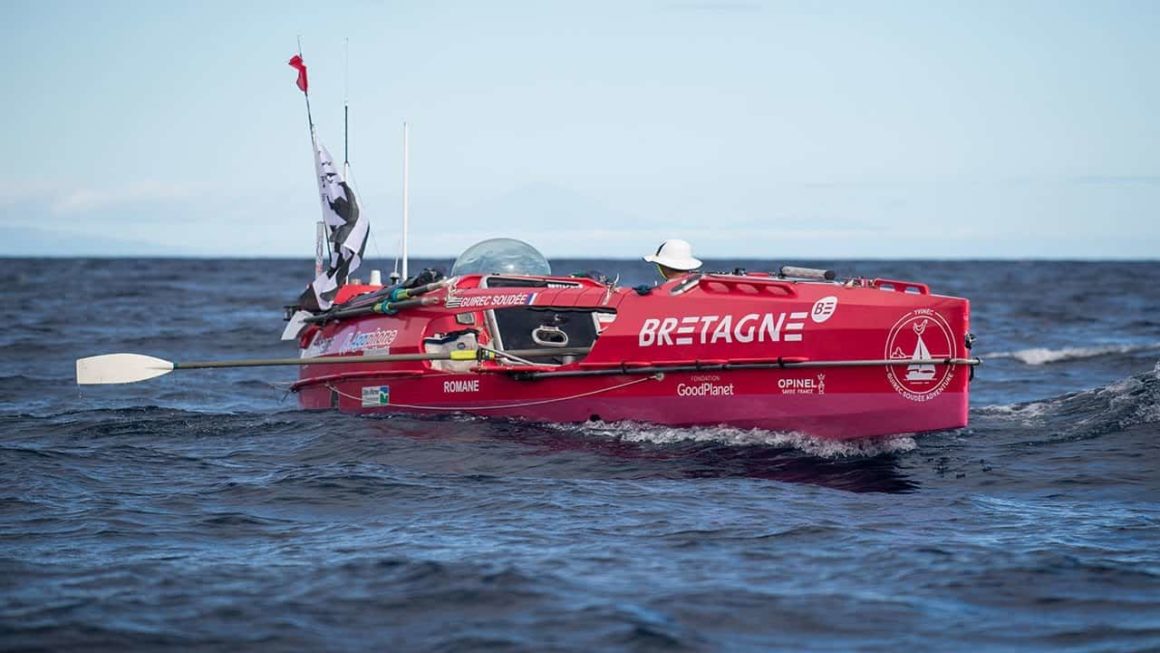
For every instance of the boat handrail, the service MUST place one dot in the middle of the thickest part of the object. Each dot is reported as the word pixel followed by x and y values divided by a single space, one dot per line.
pixel 898 285
pixel 759 285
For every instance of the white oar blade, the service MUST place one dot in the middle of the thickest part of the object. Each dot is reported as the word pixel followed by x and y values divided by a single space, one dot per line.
pixel 295 326
pixel 120 368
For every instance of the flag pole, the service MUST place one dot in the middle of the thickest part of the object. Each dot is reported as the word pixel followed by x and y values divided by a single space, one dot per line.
pixel 320 230
pixel 306 94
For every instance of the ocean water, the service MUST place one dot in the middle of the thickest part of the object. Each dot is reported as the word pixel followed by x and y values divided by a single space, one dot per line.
pixel 203 511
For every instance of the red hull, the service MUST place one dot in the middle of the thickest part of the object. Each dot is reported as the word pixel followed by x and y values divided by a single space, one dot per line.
pixel 748 352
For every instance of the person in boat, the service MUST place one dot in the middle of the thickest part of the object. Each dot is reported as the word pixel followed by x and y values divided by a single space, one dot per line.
pixel 674 258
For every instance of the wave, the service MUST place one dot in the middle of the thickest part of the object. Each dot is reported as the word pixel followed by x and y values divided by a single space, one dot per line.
pixel 1126 403
pixel 637 432
pixel 1044 356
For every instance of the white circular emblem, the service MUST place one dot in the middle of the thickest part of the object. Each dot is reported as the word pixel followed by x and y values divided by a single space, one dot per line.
pixel 920 335
pixel 824 309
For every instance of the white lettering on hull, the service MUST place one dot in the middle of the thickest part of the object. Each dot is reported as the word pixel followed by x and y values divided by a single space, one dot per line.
pixel 463 385
pixel 722 329
pixel 706 389
pixel 805 386
pixel 378 340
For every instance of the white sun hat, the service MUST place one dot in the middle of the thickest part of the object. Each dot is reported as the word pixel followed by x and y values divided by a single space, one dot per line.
pixel 676 254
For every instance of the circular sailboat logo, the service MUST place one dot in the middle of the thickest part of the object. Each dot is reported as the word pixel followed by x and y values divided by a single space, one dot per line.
pixel 921 335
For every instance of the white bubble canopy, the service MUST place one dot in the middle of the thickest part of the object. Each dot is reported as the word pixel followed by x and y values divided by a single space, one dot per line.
pixel 501 256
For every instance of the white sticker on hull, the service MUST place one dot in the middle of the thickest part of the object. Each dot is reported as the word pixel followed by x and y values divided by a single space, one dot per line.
pixel 920 334
pixel 376 395
pixel 824 309
pixel 489 301
pixel 378 341
pixel 318 346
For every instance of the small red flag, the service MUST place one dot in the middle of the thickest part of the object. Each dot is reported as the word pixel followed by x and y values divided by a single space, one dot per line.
pixel 297 63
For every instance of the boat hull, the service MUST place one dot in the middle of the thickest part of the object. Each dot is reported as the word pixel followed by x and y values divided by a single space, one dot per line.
pixel 828 360
pixel 750 399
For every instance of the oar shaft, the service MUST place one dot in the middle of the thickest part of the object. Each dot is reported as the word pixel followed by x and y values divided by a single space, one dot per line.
pixel 315 360
pixel 710 367
pixel 886 362
pixel 374 358
pixel 562 351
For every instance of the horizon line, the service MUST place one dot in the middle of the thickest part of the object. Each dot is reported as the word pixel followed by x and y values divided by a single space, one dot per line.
pixel 966 259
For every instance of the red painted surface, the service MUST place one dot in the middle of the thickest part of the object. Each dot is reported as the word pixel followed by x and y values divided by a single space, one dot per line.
pixel 721 319
pixel 350 291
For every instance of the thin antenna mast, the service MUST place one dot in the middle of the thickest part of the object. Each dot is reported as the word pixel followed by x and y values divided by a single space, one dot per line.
pixel 346 117
pixel 406 180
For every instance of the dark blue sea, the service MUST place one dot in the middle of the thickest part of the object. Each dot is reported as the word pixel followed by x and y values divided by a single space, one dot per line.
pixel 203 511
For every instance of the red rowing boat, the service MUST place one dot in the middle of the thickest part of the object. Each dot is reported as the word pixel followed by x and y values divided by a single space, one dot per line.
pixel 860 358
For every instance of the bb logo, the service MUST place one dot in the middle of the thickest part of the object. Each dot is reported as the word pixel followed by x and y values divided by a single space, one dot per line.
pixel 920 335
pixel 824 309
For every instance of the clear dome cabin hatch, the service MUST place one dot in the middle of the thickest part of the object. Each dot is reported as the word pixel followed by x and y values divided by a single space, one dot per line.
pixel 501 256
pixel 504 262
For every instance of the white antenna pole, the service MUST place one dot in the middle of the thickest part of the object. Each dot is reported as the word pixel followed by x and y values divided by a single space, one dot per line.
pixel 406 180
pixel 346 118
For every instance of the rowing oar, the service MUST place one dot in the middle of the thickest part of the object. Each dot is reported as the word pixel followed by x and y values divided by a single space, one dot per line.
pixel 130 368
pixel 397 299
pixel 382 308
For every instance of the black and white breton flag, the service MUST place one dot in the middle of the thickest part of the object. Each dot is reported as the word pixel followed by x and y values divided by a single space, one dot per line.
pixel 346 229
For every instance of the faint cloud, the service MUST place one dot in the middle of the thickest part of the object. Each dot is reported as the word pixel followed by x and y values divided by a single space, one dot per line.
pixel 713 7
pixel 1119 180
pixel 17 192
pixel 88 199
pixel 63 199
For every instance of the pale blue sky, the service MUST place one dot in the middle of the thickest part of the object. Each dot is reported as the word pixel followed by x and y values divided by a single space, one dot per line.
pixel 753 129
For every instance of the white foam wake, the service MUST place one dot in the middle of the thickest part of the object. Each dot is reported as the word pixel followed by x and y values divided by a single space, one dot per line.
pixel 823 448
pixel 1044 356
